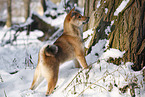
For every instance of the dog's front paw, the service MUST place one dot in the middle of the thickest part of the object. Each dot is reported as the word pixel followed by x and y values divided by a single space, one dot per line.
pixel 88 67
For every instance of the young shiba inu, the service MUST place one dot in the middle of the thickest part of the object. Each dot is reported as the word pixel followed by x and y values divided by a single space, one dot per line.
pixel 67 47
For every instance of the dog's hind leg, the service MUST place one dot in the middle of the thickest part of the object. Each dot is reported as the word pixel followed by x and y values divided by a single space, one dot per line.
pixel 38 78
pixel 51 85
pixel 51 77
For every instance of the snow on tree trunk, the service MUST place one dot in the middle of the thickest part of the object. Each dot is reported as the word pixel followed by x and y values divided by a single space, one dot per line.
pixel 129 33
pixel 126 20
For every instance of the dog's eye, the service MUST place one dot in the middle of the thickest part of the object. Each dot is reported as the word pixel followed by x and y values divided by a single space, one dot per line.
pixel 79 16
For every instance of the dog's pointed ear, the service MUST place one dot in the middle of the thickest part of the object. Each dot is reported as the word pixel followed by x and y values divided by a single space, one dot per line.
pixel 72 13
pixel 72 9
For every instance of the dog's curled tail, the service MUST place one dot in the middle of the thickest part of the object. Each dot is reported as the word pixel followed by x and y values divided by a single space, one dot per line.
pixel 51 50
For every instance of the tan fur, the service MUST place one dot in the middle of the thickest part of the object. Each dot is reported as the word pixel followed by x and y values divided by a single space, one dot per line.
pixel 67 47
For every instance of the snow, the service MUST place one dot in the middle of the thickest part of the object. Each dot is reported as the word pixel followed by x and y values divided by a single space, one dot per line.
pixel 98 4
pixel 13 59
pixel 114 53
pixel 112 22
pixel 18 19
pixel 28 21
pixel 121 7
pixel 18 63
pixel 107 30
pixel 88 34
pixel 58 22
pixel 106 10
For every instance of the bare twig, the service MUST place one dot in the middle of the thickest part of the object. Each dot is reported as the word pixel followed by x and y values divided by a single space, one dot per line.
pixel 96 82
pixel 5 93
pixel 90 66
pixel 86 83
pixel 1 79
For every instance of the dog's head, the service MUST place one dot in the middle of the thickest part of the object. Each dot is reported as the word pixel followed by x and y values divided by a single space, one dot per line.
pixel 76 18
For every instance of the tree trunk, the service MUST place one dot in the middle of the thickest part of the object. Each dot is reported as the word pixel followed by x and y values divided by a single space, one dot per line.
pixel 27 8
pixel 74 2
pixel 43 4
pixel 41 25
pixel 9 14
pixel 127 32
pixel 97 20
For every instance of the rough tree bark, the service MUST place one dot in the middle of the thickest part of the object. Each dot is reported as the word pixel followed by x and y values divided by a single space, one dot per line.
pixel 127 31
pixel 9 14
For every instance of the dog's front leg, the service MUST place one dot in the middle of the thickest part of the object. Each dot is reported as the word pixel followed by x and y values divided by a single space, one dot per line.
pixel 77 64
pixel 82 61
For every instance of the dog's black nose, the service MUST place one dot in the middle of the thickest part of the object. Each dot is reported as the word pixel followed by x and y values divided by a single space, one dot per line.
pixel 86 20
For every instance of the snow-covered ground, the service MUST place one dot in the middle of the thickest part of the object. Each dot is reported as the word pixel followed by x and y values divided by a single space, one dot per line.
pixel 21 59
pixel 102 79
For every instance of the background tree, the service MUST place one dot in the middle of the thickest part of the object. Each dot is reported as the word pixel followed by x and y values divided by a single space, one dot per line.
pixel 43 3
pixel 27 8
pixel 127 29
pixel 9 14
pixel 74 2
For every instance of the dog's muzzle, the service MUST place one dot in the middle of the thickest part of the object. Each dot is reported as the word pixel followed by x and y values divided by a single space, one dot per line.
pixel 86 20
